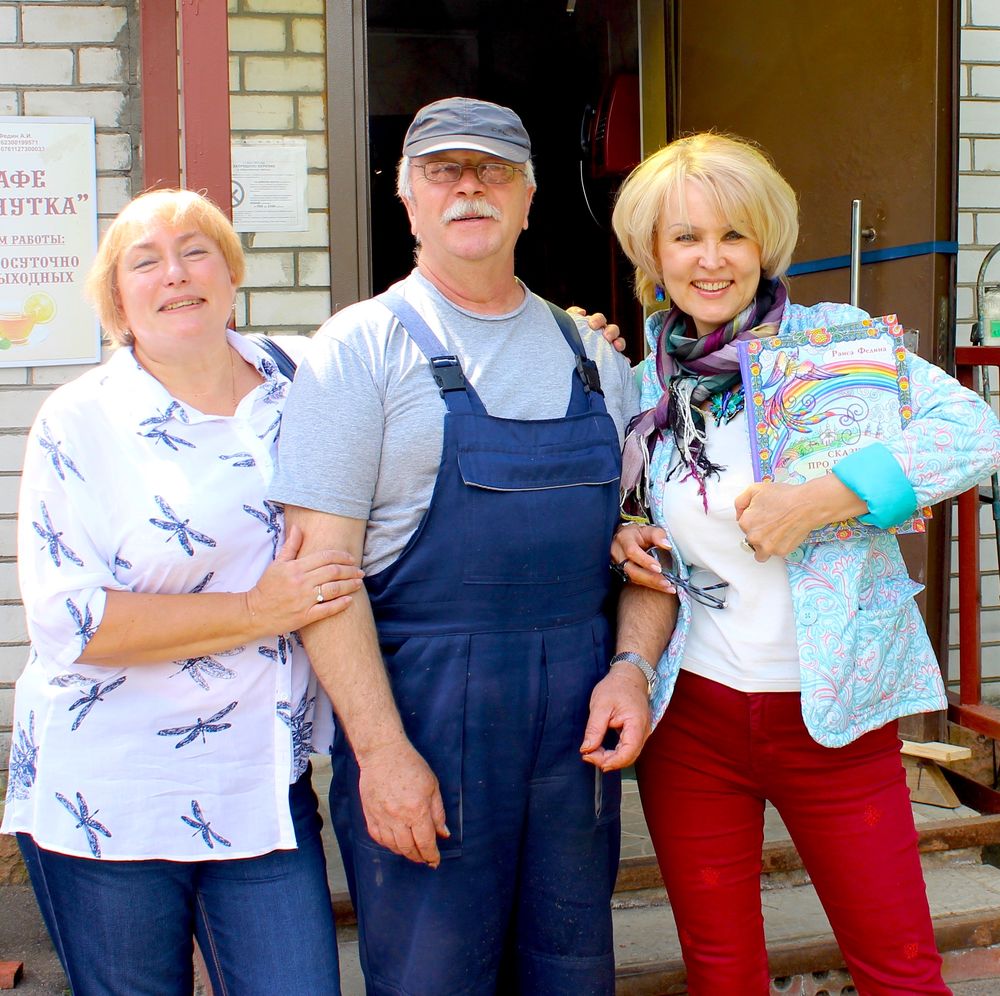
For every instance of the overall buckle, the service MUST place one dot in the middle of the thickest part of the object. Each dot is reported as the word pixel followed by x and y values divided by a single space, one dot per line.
pixel 587 369
pixel 447 373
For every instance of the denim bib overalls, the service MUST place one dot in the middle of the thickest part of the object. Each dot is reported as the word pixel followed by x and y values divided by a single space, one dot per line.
pixel 493 627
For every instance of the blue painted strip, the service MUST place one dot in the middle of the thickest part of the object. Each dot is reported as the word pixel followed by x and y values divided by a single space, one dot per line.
pixel 874 256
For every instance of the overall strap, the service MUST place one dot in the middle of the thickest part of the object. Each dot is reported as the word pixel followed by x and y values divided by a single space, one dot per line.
pixel 588 376
pixel 446 368
pixel 284 363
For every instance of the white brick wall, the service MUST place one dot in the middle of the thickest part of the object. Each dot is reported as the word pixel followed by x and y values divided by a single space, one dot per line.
pixel 277 78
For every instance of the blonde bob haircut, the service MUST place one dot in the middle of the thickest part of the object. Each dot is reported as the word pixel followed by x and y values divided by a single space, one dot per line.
pixel 177 208
pixel 738 179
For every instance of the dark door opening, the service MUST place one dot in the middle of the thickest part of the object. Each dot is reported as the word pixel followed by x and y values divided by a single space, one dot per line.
pixel 552 65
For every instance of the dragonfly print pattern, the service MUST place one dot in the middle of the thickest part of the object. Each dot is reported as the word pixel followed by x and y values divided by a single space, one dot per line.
pixel 202 826
pixel 54 449
pixel 270 518
pixel 280 654
pixel 160 435
pixel 57 548
pixel 23 758
pixel 179 528
pixel 200 669
pixel 86 821
pixel 85 627
pixel 86 702
pixel 199 728
pixel 301 729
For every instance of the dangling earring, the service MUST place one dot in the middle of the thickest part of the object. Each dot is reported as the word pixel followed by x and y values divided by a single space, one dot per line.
pixel 659 293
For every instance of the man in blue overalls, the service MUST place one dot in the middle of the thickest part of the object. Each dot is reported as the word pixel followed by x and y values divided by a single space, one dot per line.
pixel 461 437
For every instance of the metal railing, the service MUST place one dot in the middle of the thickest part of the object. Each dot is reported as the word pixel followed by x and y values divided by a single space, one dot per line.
pixel 966 707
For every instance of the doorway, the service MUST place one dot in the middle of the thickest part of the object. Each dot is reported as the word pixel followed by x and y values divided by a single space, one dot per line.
pixel 552 61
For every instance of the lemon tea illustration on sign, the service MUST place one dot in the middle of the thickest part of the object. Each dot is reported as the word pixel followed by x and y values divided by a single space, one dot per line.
pixel 18 321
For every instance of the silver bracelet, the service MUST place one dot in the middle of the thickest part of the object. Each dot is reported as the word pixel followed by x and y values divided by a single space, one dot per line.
pixel 641 663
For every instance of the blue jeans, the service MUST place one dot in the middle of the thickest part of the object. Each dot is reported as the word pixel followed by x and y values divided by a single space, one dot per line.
pixel 264 925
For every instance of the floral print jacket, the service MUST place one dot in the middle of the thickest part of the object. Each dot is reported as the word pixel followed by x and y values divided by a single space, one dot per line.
pixel 864 652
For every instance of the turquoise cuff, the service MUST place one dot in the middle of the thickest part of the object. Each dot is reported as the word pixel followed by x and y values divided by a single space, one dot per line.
pixel 877 479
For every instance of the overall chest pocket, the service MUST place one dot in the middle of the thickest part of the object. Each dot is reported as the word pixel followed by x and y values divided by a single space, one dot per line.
pixel 538 514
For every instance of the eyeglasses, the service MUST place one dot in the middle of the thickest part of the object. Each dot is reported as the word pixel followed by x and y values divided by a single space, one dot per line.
pixel 446 172
pixel 702 594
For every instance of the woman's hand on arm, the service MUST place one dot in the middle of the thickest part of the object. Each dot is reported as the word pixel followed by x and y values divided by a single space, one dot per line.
pixel 600 323
pixel 777 518
pixel 140 628
pixel 629 552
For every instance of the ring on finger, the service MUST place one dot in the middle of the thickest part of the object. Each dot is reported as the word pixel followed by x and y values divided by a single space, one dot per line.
pixel 319 593
pixel 619 571
pixel 745 544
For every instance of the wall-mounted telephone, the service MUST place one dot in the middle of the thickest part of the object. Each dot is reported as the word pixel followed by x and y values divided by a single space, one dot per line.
pixel 609 133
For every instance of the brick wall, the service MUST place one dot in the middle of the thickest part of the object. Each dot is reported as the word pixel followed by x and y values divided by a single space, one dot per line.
pixel 278 80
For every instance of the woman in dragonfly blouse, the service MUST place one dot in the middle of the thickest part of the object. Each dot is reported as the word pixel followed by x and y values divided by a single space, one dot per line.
pixel 159 782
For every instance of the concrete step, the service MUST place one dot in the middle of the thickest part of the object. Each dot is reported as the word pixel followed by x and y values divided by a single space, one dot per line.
pixel 964 900
pixel 954 840
pixel 804 957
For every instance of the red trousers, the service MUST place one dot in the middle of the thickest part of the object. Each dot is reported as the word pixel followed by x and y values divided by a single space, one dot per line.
pixel 704 776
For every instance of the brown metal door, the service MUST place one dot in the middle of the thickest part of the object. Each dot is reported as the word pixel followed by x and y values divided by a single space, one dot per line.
pixel 853 100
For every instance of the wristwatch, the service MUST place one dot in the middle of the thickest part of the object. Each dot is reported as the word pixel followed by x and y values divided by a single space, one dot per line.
pixel 641 663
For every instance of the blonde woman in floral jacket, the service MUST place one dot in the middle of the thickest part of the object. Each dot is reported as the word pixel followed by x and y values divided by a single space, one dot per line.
pixel 781 665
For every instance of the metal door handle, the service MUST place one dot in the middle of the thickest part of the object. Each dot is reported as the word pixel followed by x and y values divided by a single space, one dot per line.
pixel 855 251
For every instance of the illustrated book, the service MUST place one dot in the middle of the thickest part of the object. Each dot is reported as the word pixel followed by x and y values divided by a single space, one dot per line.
pixel 816 396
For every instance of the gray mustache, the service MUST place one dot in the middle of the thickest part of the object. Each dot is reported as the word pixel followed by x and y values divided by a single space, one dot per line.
pixel 475 208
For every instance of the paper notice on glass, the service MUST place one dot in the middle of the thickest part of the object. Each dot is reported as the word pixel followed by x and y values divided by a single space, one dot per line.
pixel 269 186
pixel 48 237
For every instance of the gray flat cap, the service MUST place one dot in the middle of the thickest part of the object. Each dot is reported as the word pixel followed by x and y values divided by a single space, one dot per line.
pixel 464 123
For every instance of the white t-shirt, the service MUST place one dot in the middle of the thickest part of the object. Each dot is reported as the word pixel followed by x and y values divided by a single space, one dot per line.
pixel 126 488
pixel 750 645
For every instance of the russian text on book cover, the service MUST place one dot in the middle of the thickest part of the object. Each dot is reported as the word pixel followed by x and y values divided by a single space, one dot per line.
pixel 816 396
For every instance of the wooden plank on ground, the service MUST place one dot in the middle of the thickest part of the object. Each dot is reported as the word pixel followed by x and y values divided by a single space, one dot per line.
pixel 934 751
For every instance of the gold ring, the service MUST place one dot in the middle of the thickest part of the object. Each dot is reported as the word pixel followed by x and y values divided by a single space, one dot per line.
pixel 319 593
pixel 746 545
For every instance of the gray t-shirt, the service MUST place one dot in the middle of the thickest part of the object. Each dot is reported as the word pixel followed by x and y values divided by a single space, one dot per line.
pixel 363 426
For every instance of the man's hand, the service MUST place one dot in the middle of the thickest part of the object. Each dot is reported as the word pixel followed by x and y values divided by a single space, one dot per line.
pixel 620 702
pixel 600 323
pixel 402 802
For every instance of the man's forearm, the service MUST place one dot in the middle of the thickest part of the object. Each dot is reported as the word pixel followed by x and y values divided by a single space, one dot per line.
pixel 348 663
pixel 646 620
pixel 344 649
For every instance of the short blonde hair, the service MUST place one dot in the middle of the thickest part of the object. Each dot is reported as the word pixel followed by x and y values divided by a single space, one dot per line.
pixel 737 177
pixel 167 206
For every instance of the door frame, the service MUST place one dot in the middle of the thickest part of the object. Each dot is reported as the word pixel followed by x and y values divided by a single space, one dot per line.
pixel 347 152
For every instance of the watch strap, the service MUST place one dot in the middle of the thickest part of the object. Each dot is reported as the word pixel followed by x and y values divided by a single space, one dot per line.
pixel 640 662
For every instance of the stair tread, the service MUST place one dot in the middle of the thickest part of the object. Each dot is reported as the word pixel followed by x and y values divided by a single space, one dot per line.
pixel 793 915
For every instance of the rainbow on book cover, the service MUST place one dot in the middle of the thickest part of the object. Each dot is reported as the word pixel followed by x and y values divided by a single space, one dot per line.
pixel 816 396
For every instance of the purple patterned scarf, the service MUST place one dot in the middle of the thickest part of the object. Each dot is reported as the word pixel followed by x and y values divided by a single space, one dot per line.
pixel 690 370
